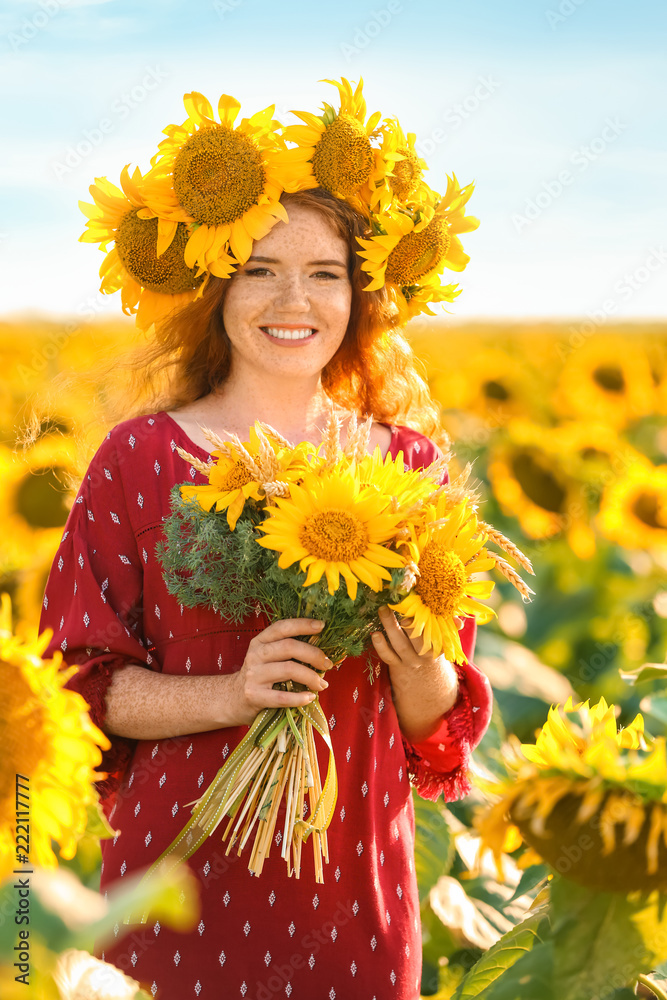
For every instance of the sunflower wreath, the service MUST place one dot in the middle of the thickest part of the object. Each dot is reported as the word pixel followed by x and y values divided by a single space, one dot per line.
pixel 214 186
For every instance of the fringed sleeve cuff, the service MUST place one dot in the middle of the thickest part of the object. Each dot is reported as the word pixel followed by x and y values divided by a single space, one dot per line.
pixel 439 765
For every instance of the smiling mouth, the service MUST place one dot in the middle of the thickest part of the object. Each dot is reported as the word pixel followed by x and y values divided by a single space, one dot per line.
pixel 289 333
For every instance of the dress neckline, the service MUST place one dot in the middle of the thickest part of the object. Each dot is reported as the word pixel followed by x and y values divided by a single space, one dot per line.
pixel 193 447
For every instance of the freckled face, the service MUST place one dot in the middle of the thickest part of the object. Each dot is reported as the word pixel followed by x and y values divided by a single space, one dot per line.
pixel 287 308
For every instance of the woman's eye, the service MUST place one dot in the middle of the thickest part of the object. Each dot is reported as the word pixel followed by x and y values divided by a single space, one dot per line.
pixel 257 270
pixel 325 274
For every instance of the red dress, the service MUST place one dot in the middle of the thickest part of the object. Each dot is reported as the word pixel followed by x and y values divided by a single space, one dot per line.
pixel 358 934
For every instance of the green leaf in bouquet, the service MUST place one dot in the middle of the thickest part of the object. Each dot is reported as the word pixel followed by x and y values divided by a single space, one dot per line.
pixel 531 934
pixel 434 844
pixel 604 937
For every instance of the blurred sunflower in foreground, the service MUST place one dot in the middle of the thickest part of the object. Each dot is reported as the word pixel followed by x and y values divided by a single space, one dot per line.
pixel 566 795
pixel 46 737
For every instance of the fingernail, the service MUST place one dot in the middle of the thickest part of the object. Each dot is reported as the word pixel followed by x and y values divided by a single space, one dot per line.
pixel 312 696
pixel 317 624
pixel 325 684
pixel 327 664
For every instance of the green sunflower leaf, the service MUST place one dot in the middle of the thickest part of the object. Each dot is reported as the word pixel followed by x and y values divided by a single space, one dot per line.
pixel 647 672
pixel 434 844
pixel 496 964
pixel 604 937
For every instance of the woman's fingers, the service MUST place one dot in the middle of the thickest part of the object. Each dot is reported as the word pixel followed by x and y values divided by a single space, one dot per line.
pixel 285 649
pixel 402 645
pixel 289 670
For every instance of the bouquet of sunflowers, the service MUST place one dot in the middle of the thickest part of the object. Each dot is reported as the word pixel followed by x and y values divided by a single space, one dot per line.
pixel 331 533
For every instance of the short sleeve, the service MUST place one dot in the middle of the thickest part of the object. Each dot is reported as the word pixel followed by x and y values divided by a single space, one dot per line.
pixel 93 601
pixel 439 764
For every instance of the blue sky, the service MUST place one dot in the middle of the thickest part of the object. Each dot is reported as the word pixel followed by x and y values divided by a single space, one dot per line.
pixel 555 108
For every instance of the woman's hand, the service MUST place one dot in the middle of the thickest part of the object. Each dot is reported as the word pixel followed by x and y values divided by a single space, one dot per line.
pixel 397 649
pixel 267 663
pixel 423 688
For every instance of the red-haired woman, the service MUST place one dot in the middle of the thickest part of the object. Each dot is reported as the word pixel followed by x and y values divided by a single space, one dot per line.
pixel 176 688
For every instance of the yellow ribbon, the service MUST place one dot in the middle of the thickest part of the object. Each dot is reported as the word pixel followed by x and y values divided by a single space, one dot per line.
pixel 326 803
pixel 215 802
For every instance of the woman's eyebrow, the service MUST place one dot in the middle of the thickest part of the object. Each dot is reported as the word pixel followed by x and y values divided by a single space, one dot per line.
pixel 311 263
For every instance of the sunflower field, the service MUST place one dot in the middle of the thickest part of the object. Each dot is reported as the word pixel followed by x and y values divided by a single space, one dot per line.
pixel 549 880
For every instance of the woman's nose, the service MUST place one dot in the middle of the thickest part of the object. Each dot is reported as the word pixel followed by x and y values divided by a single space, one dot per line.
pixel 292 294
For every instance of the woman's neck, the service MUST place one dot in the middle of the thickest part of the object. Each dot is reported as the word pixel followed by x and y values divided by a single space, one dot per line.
pixel 302 420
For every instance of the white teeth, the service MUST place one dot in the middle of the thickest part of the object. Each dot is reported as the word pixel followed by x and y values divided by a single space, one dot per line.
pixel 281 334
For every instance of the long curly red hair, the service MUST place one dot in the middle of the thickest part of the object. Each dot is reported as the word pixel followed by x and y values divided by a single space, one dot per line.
pixel 374 371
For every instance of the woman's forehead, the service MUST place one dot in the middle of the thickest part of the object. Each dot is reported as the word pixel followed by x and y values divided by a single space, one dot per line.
pixel 308 234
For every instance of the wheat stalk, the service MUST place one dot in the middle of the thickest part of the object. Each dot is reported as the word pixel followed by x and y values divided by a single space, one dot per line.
pixel 358 436
pixel 246 458
pixel 507 546
pixel 272 432
pixel 435 470
pixel 410 574
pixel 364 437
pixel 512 575
pixel 196 463
pixel 216 441
pixel 276 488
pixel 331 437
pixel 267 458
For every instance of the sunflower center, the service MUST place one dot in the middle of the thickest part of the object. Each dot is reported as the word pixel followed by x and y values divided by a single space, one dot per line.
pixel 610 378
pixel 218 175
pixel 538 484
pixel 40 499
pixel 343 157
pixel 495 390
pixel 406 174
pixel 418 253
pixel 235 478
pixel 21 734
pixel 647 510
pixel 136 244
pixel 334 535
pixel 442 579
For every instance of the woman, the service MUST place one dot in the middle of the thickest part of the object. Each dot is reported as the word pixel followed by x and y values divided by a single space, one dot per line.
pixel 294 327
pixel 175 688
